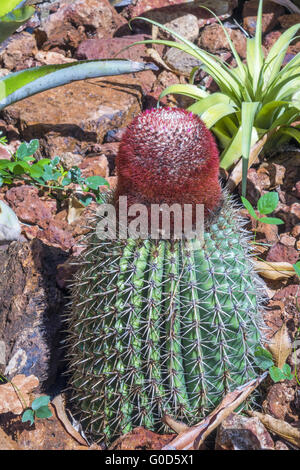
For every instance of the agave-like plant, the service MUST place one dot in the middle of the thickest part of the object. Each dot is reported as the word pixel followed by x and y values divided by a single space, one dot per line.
pixel 19 85
pixel 258 100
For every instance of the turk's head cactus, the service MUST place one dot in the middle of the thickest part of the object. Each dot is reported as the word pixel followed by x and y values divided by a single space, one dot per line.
pixel 163 325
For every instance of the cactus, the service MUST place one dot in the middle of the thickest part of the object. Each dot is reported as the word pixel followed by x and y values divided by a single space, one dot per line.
pixel 163 326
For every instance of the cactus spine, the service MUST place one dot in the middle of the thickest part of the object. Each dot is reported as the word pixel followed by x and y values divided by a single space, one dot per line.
pixel 163 326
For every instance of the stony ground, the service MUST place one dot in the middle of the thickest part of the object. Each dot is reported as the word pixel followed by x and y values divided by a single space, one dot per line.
pixel 83 123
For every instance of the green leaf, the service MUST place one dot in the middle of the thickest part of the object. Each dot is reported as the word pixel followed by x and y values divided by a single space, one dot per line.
pixel 66 181
pixel 8 5
pixel 28 415
pixel 263 358
pixel 93 182
pixel 187 90
pixel 276 374
pixel 271 220
pixel 32 147
pixel 249 207
pixel 268 202
pixel 13 20
pixel 297 268
pixel 286 369
pixel 36 171
pixel 19 85
pixel 55 161
pixel 85 200
pixel 248 114
pixel 43 412
pixel 40 402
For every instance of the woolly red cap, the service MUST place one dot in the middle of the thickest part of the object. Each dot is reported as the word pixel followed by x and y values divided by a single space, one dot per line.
pixel 168 155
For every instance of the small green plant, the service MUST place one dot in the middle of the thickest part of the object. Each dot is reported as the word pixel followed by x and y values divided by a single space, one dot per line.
pixel 258 100
pixel 39 409
pixel 49 175
pixel 266 204
pixel 264 360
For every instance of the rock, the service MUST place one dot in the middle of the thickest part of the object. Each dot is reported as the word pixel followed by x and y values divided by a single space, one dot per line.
pixel 31 309
pixel 266 232
pixel 165 11
pixel 44 434
pixel 19 52
pixel 280 252
pixel 271 12
pixel 4 72
pixel 141 439
pixel 286 21
pixel 257 183
pixel 296 231
pixel 275 172
pixel 270 39
pixel 237 432
pixel 77 116
pixel 28 206
pixel 287 240
pixel 12 396
pixel 181 61
pixel 6 443
pixel 57 235
pixel 295 213
pixel 187 26
pixel 69 159
pixel 50 57
pixel 213 39
pixel 297 186
pixel 95 166
pixel 107 48
pixel 10 228
pixel 280 402
pixel 291 292
pixel 77 20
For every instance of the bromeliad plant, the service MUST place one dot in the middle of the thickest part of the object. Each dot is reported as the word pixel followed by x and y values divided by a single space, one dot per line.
pixel 19 85
pixel 258 101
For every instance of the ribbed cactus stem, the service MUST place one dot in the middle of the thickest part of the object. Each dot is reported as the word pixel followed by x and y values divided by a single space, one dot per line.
pixel 163 326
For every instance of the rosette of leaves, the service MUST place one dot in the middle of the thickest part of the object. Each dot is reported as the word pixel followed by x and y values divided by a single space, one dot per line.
pixel 257 102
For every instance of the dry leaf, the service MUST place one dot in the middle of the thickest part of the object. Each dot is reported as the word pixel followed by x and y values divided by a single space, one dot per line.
pixel 274 270
pixel 177 426
pixel 75 209
pixel 194 437
pixel 59 406
pixel 280 346
pixel 278 426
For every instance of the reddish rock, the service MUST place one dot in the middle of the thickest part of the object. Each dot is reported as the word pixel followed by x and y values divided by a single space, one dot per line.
pixel 19 53
pixel 267 232
pixel 281 446
pixel 77 20
pixel 13 402
pixel 213 39
pixel 141 439
pixel 290 292
pixel 4 153
pixel 56 235
pixel 164 11
pixel 44 434
pixel 77 116
pixel 237 432
pixel 27 205
pixel 295 213
pixel 297 186
pixel 270 39
pixel 94 166
pixel 271 12
pixel 287 240
pixel 286 21
pixel 280 252
pixel 296 231
pixel 257 183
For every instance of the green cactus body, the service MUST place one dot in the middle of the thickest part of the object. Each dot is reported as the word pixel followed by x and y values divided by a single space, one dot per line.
pixel 162 326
